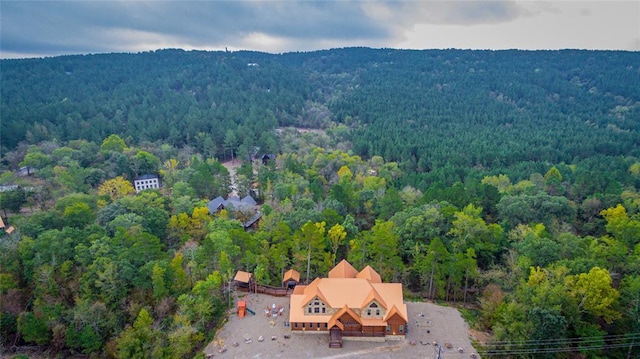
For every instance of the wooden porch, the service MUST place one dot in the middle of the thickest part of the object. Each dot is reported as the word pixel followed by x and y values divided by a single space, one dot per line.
pixel 335 338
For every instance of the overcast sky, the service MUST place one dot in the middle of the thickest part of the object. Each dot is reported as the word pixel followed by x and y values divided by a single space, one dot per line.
pixel 48 28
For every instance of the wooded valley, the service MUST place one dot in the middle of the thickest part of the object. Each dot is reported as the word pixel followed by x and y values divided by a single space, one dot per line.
pixel 502 182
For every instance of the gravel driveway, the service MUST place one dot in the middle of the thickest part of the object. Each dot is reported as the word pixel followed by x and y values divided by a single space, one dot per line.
pixel 428 324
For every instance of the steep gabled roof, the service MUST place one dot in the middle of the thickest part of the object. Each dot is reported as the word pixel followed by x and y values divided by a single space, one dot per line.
pixel 343 269
pixel 373 295
pixel 313 291
pixel 214 204
pixel 249 200
pixel 334 318
pixel 393 311
pixel 370 274
pixel 243 277
pixel 291 274
pixel 335 323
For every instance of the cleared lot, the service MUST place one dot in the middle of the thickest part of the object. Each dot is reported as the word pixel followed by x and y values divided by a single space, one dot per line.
pixel 428 323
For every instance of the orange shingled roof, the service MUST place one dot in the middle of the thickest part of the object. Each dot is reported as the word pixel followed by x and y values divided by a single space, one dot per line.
pixel 343 269
pixel 335 323
pixel 394 310
pixel 341 312
pixel 299 289
pixel 244 277
pixel 352 292
pixel 291 274
pixel 373 295
pixel 313 291
pixel 370 274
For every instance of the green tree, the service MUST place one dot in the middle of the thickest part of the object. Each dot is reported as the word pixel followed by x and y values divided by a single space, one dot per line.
pixel 144 162
pixel 36 159
pixel 311 241
pixel 85 339
pixel 78 215
pixel 12 201
pixel 159 283
pixel 336 236
pixel 183 338
pixel 622 226
pixel 230 142
pixel 179 283
pixel 470 270
pixel 469 230
pixel 113 143
pixel 594 294
pixel 209 179
pixel 139 340
pixel 384 248
pixel 538 208
pixel 33 328
pixel 435 262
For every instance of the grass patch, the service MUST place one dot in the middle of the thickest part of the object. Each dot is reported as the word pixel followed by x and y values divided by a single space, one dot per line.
pixel 471 316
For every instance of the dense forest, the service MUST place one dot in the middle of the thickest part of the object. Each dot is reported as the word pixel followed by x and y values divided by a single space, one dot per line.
pixel 502 182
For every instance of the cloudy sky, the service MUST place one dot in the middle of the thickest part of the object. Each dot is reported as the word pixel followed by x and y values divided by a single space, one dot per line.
pixel 47 28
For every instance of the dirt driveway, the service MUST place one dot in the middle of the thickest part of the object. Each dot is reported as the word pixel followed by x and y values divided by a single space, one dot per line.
pixel 428 324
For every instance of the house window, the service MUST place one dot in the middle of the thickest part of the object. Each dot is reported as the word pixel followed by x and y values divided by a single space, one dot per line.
pixel 304 324
pixel 325 325
pixel 401 328
pixel 369 312
pixel 377 312
pixel 388 328
pixel 317 305
pixel 295 325
pixel 373 305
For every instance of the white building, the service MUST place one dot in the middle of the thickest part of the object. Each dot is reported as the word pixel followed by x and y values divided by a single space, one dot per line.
pixel 146 182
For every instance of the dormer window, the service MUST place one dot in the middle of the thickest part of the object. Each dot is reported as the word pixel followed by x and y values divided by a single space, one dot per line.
pixel 316 306
pixel 373 308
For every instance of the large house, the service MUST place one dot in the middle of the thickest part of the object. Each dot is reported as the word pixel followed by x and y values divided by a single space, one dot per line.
pixel 245 209
pixel 349 303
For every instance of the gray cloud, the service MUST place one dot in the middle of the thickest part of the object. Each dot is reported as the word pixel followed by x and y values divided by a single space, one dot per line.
pixel 463 12
pixel 96 26
pixel 42 28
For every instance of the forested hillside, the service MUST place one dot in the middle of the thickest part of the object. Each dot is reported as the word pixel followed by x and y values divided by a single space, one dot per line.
pixel 505 182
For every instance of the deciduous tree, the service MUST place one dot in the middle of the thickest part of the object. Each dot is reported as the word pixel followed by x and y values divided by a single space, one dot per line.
pixel 116 188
